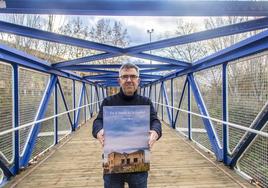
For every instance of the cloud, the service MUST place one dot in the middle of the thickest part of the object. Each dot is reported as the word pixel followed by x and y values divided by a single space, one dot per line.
pixel 137 26
pixel 125 143
pixel 120 121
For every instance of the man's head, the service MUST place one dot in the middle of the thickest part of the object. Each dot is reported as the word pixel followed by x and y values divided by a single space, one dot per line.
pixel 129 78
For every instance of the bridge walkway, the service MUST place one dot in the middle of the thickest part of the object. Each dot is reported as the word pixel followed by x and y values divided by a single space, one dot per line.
pixel 175 163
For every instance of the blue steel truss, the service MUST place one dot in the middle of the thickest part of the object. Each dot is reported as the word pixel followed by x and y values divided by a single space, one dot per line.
pixel 64 102
pixel 138 7
pixel 56 122
pixel 36 127
pixel 164 94
pixel 207 123
pixel 149 72
pixel 257 124
pixel 82 94
pixel 180 101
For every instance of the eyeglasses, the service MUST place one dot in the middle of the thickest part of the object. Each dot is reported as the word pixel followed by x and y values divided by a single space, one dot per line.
pixel 125 77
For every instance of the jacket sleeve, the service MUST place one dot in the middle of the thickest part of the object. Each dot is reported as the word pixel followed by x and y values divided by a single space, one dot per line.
pixel 98 122
pixel 154 121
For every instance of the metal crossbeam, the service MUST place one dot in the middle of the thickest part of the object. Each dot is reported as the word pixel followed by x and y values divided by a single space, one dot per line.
pixel 137 7
pixel 202 35
pixel 36 127
pixel 20 58
pixel 64 102
pixel 5 168
pixel 207 123
pixel 84 60
pixel 249 46
pixel 110 51
pixel 77 117
pixel 259 122
pixel 53 37
pixel 165 95
pixel 132 51
pixel 117 66
pixel 159 59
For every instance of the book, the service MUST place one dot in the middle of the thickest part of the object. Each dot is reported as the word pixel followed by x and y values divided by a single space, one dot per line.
pixel 126 137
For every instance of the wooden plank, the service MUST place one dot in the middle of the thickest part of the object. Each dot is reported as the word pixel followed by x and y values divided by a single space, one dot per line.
pixel 175 162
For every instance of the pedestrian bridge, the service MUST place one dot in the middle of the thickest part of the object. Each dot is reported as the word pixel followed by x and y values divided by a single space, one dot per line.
pixel 175 162
pixel 209 87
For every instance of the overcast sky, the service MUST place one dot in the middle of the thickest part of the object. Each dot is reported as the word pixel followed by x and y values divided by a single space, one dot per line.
pixel 137 26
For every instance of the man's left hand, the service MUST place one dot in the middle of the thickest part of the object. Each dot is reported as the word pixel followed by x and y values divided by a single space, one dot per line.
pixel 153 137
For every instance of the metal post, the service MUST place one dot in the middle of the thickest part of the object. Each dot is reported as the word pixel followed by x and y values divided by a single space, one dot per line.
pixel 162 101
pixel 16 118
pixel 172 103
pixel 56 112
pixel 189 115
pixel 91 101
pixel 225 113
pixel 73 126
pixel 85 102
pixel 150 31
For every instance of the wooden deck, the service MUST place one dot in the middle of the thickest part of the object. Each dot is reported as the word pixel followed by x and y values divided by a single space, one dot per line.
pixel 175 163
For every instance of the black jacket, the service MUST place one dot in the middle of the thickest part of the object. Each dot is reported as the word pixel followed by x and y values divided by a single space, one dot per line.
pixel 121 99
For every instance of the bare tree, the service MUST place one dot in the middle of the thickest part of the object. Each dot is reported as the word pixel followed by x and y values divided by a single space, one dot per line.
pixel 236 72
pixel 20 42
pixel 110 32
pixel 189 52
pixel 75 28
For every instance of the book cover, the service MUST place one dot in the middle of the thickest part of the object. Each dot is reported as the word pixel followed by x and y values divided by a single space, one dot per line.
pixel 126 136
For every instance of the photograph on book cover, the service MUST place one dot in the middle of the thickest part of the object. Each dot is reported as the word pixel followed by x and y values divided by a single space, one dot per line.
pixel 126 136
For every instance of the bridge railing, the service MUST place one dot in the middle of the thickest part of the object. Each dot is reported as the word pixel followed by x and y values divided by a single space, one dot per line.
pixel 37 110
pixel 224 110
pixel 234 92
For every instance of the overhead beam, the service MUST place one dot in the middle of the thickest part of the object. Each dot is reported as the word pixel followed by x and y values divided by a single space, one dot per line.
pixel 90 58
pixel 158 70
pixel 110 76
pixel 117 66
pixel 115 74
pixel 53 37
pixel 137 7
pixel 136 51
pixel 99 69
pixel 202 35
pixel 107 75
pixel 160 59
pixel 23 59
pixel 111 55
pixel 255 44
pixel 110 51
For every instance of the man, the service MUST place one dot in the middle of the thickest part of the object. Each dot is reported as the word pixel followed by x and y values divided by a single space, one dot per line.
pixel 129 81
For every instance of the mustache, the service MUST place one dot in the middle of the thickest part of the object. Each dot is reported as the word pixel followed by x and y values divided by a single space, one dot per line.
pixel 129 84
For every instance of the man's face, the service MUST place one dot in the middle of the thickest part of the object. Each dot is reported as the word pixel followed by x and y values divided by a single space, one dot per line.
pixel 129 81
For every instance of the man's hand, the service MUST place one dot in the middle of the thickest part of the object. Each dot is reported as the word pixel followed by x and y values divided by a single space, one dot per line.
pixel 100 137
pixel 153 137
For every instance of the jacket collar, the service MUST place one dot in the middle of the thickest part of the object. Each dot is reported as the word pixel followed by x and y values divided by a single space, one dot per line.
pixel 126 97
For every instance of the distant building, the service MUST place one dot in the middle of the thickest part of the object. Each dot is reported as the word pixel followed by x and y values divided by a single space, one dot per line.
pixel 124 161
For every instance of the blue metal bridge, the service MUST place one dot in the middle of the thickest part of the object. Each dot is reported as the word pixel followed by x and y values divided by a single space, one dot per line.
pixel 218 101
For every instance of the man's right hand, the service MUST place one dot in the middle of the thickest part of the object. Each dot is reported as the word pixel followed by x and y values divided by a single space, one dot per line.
pixel 100 137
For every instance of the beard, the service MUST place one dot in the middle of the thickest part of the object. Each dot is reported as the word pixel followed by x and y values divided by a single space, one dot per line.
pixel 129 90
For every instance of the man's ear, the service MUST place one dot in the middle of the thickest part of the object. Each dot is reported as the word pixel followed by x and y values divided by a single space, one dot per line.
pixel 118 80
pixel 139 80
